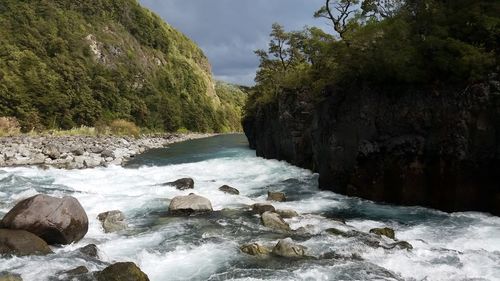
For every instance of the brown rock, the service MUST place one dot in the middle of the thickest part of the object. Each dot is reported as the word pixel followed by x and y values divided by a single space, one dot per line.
pixel 274 221
pixel 122 271
pixel 230 190
pixel 254 249
pixel 260 208
pixel 55 220
pixel 276 196
pixel 22 243
pixel 182 184
pixel 388 232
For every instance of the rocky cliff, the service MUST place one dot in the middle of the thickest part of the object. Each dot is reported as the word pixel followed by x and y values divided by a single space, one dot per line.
pixel 438 148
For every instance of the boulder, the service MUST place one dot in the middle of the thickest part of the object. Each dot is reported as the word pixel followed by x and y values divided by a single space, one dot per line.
pixel 185 205
pixel 276 196
pixel 90 250
pixel 52 151
pixel 122 271
pixel 254 249
pixel 22 243
pixel 10 277
pixel 230 190
pixel 182 184
pixel 388 232
pixel 274 221
pixel 108 154
pixel 260 208
pixel 287 214
pixel 112 221
pixel 55 220
pixel 288 249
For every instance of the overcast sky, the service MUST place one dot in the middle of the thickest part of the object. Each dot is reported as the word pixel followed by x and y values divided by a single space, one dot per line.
pixel 229 31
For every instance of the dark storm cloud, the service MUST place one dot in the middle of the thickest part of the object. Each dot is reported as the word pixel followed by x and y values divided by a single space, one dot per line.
pixel 230 30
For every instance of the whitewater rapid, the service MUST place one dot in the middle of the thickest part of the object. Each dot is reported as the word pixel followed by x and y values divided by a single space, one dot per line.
pixel 459 246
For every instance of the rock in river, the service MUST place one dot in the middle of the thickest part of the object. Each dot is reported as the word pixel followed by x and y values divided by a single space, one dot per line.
pixel 185 205
pixel 21 243
pixel 260 208
pixel 10 277
pixel 287 213
pixel 112 221
pixel 230 190
pixel 276 196
pixel 288 249
pixel 388 232
pixel 55 220
pixel 122 271
pixel 274 221
pixel 254 249
pixel 182 184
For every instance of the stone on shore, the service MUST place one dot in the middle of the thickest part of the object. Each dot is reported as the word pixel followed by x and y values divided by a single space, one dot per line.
pixel 288 249
pixel 122 271
pixel 192 203
pixel 274 221
pixel 112 221
pixel 182 184
pixel 388 232
pixel 276 196
pixel 55 220
pixel 260 208
pixel 22 243
pixel 230 190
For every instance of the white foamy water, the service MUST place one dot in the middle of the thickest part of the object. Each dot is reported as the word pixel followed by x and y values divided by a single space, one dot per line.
pixel 461 246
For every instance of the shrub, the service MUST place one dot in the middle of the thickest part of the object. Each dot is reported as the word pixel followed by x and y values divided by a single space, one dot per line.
pixel 9 126
pixel 124 128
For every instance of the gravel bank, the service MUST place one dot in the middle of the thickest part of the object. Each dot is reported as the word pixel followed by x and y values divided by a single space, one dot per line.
pixel 80 152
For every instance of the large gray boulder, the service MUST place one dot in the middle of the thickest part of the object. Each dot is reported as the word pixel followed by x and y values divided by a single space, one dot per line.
pixel 22 243
pixel 182 184
pixel 185 205
pixel 112 221
pixel 274 221
pixel 55 220
pixel 288 249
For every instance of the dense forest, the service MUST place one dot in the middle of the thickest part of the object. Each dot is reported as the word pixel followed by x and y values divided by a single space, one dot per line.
pixel 67 63
pixel 386 44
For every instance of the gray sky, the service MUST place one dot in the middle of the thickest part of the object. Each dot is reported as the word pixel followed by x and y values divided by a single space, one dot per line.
pixel 229 31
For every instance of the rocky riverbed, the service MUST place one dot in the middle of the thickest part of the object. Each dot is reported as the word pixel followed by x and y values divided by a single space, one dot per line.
pixel 79 152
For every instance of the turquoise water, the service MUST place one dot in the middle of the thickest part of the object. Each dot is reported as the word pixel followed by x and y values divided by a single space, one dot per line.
pixel 459 246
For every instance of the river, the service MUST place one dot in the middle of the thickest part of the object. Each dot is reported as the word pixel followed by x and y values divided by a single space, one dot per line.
pixel 458 246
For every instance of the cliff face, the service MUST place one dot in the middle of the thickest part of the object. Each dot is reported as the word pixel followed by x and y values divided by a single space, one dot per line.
pixel 439 149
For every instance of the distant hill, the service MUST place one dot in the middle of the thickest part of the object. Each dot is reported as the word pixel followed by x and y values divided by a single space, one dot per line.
pixel 66 63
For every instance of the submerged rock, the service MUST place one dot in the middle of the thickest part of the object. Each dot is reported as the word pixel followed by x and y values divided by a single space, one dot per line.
pixel 182 184
pixel 388 232
pixel 401 245
pixel 287 214
pixel 22 243
pixel 276 196
pixel 55 220
pixel 274 221
pixel 338 232
pixel 112 221
pixel 10 277
pixel 255 249
pixel 230 190
pixel 122 271
pixel 288 249
pixel 185 205
pixel 77 271
pixel 260 208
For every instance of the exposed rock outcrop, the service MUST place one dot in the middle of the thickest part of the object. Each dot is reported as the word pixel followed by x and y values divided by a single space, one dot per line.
pixel 55 220
pixel 436 147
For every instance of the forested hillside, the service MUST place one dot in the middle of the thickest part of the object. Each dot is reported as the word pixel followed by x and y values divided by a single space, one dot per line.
pixel 67 63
